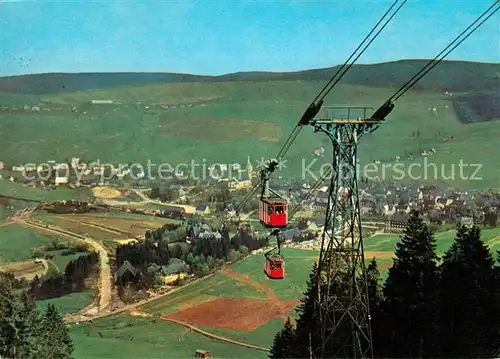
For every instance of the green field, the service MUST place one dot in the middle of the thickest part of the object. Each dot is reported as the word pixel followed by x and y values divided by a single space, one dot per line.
pixel 8 188
pixel 70 303
pixel 16 242
pixel 154 335
pixel 60 261
pixel 127 337
pixel 387 242
pixel 135 135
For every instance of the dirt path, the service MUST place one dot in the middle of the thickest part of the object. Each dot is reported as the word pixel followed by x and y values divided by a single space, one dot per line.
pixel 5 224
pixel 216 337
pixel 105 271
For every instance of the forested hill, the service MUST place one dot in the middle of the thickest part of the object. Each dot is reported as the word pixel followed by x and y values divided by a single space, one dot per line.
pixel 458 76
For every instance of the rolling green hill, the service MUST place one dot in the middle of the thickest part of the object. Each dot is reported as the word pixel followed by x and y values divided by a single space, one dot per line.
pixel 449 75
pixel 213 121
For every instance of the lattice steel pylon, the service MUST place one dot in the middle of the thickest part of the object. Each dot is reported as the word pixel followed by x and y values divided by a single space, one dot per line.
pixel 342 295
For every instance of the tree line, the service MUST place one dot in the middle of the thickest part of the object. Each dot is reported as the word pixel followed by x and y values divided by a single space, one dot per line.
pixel 428 307
pixel 27 333
pixel 60 284
pixel 202 249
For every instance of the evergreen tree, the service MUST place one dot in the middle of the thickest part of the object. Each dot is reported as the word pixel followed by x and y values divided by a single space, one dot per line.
pixel 308 322
pixel 375 299
pixel 284 341
pixel 410 295
pixel 373 282
pixel 469 319
pixel 61 346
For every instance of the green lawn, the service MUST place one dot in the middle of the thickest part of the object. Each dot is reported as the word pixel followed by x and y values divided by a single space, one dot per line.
pixel 298 266
pixel 126 337
pixel 70 303
pixel 60 261
pixel 16 242
pixel 262 336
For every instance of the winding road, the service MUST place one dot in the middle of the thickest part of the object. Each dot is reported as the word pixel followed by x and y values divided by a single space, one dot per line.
pixel 104 283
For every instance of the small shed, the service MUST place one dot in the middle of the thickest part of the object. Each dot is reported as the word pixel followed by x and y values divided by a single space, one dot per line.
pixel 203 354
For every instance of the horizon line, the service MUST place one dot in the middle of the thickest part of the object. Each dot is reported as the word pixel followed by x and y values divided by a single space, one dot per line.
pixel 242 72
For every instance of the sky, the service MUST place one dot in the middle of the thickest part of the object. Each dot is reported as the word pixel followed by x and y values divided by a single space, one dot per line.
pixel 213 37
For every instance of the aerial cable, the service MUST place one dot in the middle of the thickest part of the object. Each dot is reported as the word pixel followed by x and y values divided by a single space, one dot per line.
pixel 434 62
pixel 315 106
pixel 329 86
pixel 318 100
pixel 339 74
pixel 311 191
pixel 381 113
pixel 446 51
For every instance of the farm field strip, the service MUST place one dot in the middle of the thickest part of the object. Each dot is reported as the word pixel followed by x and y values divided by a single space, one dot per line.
pixel 78 229
pixel 129 228
pixel 95 225
pixel 27 270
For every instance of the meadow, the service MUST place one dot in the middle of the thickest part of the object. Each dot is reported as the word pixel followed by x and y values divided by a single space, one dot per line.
pixel 109 227
pixel 11 189
pixel 68 304
pixel 238 304
pixel 125 133
pixel 16 242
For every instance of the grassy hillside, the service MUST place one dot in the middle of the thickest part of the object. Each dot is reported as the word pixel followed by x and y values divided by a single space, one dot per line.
pixel 126 133
pixel 449 75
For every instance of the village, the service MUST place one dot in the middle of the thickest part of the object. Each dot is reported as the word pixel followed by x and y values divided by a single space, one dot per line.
pixel 388 203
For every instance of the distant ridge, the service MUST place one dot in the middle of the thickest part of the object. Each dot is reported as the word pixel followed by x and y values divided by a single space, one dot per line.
pixel 459 76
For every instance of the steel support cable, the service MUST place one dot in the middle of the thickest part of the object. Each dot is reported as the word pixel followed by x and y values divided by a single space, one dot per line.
pixel 333 81
pixel 343 70
pixel 418 76
pixel 446 51
pixel 308 195
pixel 326 90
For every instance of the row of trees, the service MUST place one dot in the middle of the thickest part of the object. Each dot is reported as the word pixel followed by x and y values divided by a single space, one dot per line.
pixel 206 250
pixel 428 307
pixel 26 332
pixel 72 280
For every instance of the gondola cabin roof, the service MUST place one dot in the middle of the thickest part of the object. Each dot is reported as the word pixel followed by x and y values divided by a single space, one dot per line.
pixel 275 258
pixel 274 200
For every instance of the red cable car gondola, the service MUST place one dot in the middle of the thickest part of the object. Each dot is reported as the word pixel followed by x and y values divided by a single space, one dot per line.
pixel 274 266
pixel 272 214
pixel 273 207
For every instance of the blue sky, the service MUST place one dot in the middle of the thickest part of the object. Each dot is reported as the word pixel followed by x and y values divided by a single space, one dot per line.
pixel 216 36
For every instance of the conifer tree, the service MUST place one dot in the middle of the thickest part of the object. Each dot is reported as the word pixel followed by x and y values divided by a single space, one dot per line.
pixel 374 286
pixel 283 345
pixel 410 295
pixel 61 345
pixel 469 323
pixel 375 300
pixel 308 323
